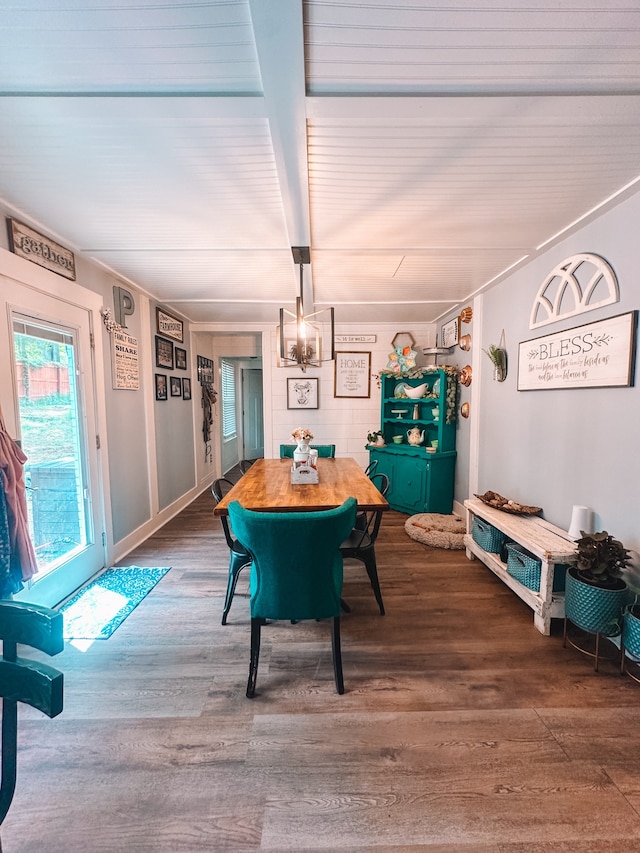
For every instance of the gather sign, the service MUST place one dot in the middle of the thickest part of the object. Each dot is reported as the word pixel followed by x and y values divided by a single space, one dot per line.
pixel 596 355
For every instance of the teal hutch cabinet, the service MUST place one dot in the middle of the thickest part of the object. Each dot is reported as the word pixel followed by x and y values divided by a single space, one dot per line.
pixel 419 481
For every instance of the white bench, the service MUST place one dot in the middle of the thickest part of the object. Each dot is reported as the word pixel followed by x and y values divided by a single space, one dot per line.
pixel 550 544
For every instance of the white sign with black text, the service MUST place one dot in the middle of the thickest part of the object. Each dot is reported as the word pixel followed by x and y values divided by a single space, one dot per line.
pixel 124 361
pixel 353 374
pixel 595 355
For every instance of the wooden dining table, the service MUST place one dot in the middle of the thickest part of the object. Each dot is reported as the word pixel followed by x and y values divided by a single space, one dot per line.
pixel 267 487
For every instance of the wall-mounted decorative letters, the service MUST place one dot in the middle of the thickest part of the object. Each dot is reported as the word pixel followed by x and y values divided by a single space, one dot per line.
pixel 35 247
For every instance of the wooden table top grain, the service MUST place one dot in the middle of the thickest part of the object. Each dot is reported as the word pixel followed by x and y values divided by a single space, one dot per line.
pixel 267 487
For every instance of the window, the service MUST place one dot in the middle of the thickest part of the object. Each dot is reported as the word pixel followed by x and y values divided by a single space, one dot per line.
pixel 228 399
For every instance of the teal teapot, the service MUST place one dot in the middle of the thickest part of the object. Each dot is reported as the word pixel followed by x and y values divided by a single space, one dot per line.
pixel 415 436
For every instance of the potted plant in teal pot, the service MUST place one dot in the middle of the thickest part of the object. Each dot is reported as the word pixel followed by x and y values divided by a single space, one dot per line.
pixel 631 621
pixel 595 594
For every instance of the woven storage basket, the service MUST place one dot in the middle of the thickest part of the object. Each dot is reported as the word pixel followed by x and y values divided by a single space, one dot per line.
pixel 488 537
pixel 527 569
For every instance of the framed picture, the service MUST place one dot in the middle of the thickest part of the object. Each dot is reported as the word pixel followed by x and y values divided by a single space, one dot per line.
pixel 164 353
pixel 302 393
pixel 205 370
pixel 186 388
pixel 169 326
pixel 352 374
pixel 181 358
pixel 450 333
pixel 175 384
pixel 161 386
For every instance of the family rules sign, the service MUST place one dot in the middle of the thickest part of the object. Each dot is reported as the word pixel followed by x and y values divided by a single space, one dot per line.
pixel 596 355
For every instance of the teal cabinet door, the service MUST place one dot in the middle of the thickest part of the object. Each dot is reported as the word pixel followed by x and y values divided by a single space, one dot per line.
pixel 417 483
pixel 409 483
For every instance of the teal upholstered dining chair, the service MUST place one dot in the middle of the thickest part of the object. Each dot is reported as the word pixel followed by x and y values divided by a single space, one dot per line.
pixel 327 451
pixel 296 571
pixel 239 557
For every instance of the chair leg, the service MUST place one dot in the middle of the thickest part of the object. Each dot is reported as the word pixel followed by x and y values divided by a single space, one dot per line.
pixel 372 570
pixel 234 571
pixel 336 648
pixel 256 624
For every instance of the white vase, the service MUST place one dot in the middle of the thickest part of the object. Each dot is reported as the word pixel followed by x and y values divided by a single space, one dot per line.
pixel 301 453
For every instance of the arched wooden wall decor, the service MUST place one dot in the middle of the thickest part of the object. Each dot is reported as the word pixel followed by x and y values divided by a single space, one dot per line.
pixel 576 285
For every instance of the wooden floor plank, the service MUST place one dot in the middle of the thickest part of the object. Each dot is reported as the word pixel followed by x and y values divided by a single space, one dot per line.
pixel 462 728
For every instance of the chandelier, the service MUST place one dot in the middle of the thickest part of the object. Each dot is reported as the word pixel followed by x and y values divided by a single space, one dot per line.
pixel 300 336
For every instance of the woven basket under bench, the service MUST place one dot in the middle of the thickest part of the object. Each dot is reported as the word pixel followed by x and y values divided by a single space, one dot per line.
pixel 488 537
pixel 527 569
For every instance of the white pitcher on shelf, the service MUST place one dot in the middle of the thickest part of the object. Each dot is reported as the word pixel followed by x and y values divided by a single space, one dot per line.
pixel 415 436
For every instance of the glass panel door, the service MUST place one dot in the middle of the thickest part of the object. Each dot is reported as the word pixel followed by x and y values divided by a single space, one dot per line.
pixel 54 419
pixel 52 439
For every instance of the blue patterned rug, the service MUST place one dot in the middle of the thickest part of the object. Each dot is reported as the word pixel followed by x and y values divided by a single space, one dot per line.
pixel 99 608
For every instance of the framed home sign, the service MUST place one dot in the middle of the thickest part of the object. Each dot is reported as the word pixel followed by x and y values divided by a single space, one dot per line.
pixel 352 374
pixel 169 326
pixel 596 355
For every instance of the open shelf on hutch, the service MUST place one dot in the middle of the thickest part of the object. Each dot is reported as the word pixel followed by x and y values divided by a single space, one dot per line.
pixel 419 481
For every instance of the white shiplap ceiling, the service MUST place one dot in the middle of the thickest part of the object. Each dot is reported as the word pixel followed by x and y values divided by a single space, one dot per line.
pixel 420 149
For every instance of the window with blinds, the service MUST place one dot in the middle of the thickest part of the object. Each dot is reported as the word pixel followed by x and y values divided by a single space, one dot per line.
pixel 229 427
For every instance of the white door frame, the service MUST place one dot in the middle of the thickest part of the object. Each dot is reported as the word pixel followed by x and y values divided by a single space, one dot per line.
pixel 33 277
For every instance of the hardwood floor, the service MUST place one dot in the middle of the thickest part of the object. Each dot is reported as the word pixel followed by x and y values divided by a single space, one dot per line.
pixel 461 729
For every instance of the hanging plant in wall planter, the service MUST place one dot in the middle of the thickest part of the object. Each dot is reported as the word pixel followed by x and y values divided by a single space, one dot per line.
pixel 498 357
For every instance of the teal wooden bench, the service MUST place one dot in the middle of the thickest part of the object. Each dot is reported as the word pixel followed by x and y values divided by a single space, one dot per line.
pixel 24 680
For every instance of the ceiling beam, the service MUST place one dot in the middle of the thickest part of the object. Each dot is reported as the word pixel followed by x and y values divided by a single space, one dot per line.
pixel 280 50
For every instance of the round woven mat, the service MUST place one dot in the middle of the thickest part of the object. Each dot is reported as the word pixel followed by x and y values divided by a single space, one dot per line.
pixel 438 531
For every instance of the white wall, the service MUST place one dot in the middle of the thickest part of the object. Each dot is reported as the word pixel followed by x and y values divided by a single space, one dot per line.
pixel 557 448
pixel 344 422
pixel 151 467
pixel 551 448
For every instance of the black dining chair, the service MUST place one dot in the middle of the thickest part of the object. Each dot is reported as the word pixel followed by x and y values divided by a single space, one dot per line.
pixel 381 482
pixel 360 544
pixel 239 557
pixel 296 572
pixel 326 451
pixel 371 467
pixel 245 464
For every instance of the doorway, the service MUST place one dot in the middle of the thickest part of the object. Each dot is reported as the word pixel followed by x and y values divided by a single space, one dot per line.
pixel 252 414
pixel 55 416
